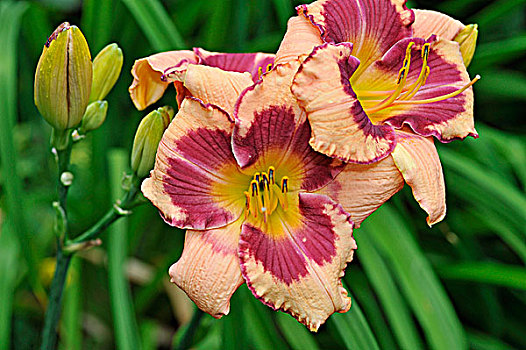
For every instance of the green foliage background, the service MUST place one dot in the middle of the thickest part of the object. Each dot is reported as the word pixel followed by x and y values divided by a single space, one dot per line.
pixel 459 284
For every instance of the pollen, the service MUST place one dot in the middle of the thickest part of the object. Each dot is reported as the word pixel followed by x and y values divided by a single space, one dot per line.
pixel 264 194
pixel 403 93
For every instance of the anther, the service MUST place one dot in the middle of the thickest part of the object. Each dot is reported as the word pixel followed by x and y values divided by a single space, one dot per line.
pixel 284 184
pixel 271 171
pixel 269 67
pixel 254 187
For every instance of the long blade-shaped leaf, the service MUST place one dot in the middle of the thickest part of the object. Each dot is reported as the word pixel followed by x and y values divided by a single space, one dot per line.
pixel 126 330
pixel 392 301
pixel 416 278
pixel 354 329
pixel 156 24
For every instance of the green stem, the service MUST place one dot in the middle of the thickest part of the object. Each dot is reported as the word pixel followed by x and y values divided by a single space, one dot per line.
pixel 189 332
pixel 49 334
pixel 117 211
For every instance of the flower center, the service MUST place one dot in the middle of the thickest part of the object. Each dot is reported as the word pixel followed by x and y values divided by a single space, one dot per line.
pixel 404 92
pixel 264 195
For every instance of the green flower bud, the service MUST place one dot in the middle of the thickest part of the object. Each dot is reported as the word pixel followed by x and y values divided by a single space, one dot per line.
pixel 106 70
pixel 94 117
pixel 147 138
pixel 63 78
pixel 467 38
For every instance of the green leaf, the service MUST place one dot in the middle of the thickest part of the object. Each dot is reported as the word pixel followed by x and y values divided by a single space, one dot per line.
pixel 394 305
pixel 353 328
pixel 498 52
pixel 72 318
pixel 9 251
pixel 284 10
pixel 156 24
pixel 414 274
pixel 296 334
pixel 10 17
pixel 502 85
pixel 501 275
pixel 97 22
pixel 126 330
pixel 495 11
pixel 260 327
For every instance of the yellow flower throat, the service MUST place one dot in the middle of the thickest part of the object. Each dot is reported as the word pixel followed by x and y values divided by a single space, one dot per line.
pixel 264 195
pixel 403 93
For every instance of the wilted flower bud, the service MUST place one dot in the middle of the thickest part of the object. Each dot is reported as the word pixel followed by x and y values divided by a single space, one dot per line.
pixel 106 70
pixel 147 138
pixel 467 38
pixel 94 117
pixel 63 78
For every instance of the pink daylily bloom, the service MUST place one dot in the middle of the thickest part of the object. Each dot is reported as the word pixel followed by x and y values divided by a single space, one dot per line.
pixel 260 206
pixel 153 74
pixel 377 81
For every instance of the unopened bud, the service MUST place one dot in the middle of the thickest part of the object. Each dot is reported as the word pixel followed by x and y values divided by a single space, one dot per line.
pixel 147 138
pixel 467 39
pixel 63 78
pixel 106 70
pixel 94 117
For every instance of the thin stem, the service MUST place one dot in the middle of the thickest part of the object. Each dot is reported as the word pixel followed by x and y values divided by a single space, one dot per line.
pixel 189 331
pixel 49 334
pixel 117 211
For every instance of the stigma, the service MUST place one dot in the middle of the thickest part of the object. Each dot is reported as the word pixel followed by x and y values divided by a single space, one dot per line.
pixel 403 93
pixel 264 194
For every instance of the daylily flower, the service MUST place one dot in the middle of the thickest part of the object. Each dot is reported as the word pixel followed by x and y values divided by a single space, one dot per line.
pixel 153 74
pixel 377 80
pixel 260 206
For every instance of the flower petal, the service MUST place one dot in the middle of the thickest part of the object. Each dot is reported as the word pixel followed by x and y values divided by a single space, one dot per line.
pixel 271 130
pixel 208 270
pixel 301 37
pixel 429 22
pixel 216 86
pixel 372 26
pixel 196 182
pixel 340 127
pixel 417 159
pixel 148 86
pixel 362 188
pixel 236 62
pixel 448 119
pixel 295 262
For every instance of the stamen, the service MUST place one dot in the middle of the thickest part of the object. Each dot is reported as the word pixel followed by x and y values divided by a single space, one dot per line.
pixel 440 98
pixel 402 77
pixel 403 95
pixel 264 194
pixel 269 67
pixel 260 72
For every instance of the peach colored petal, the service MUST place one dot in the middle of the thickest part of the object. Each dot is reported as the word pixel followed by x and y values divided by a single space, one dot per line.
pixel 271 93
pixel 362 188
pixel 195 182
pixel 148 86
pixel 295 262
pixel 208 270
pixel 236 62
pixel 216 86
pixel 372 26
pixel 340 127
pixel 299 40
pixel 417 159
pixel 429 22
